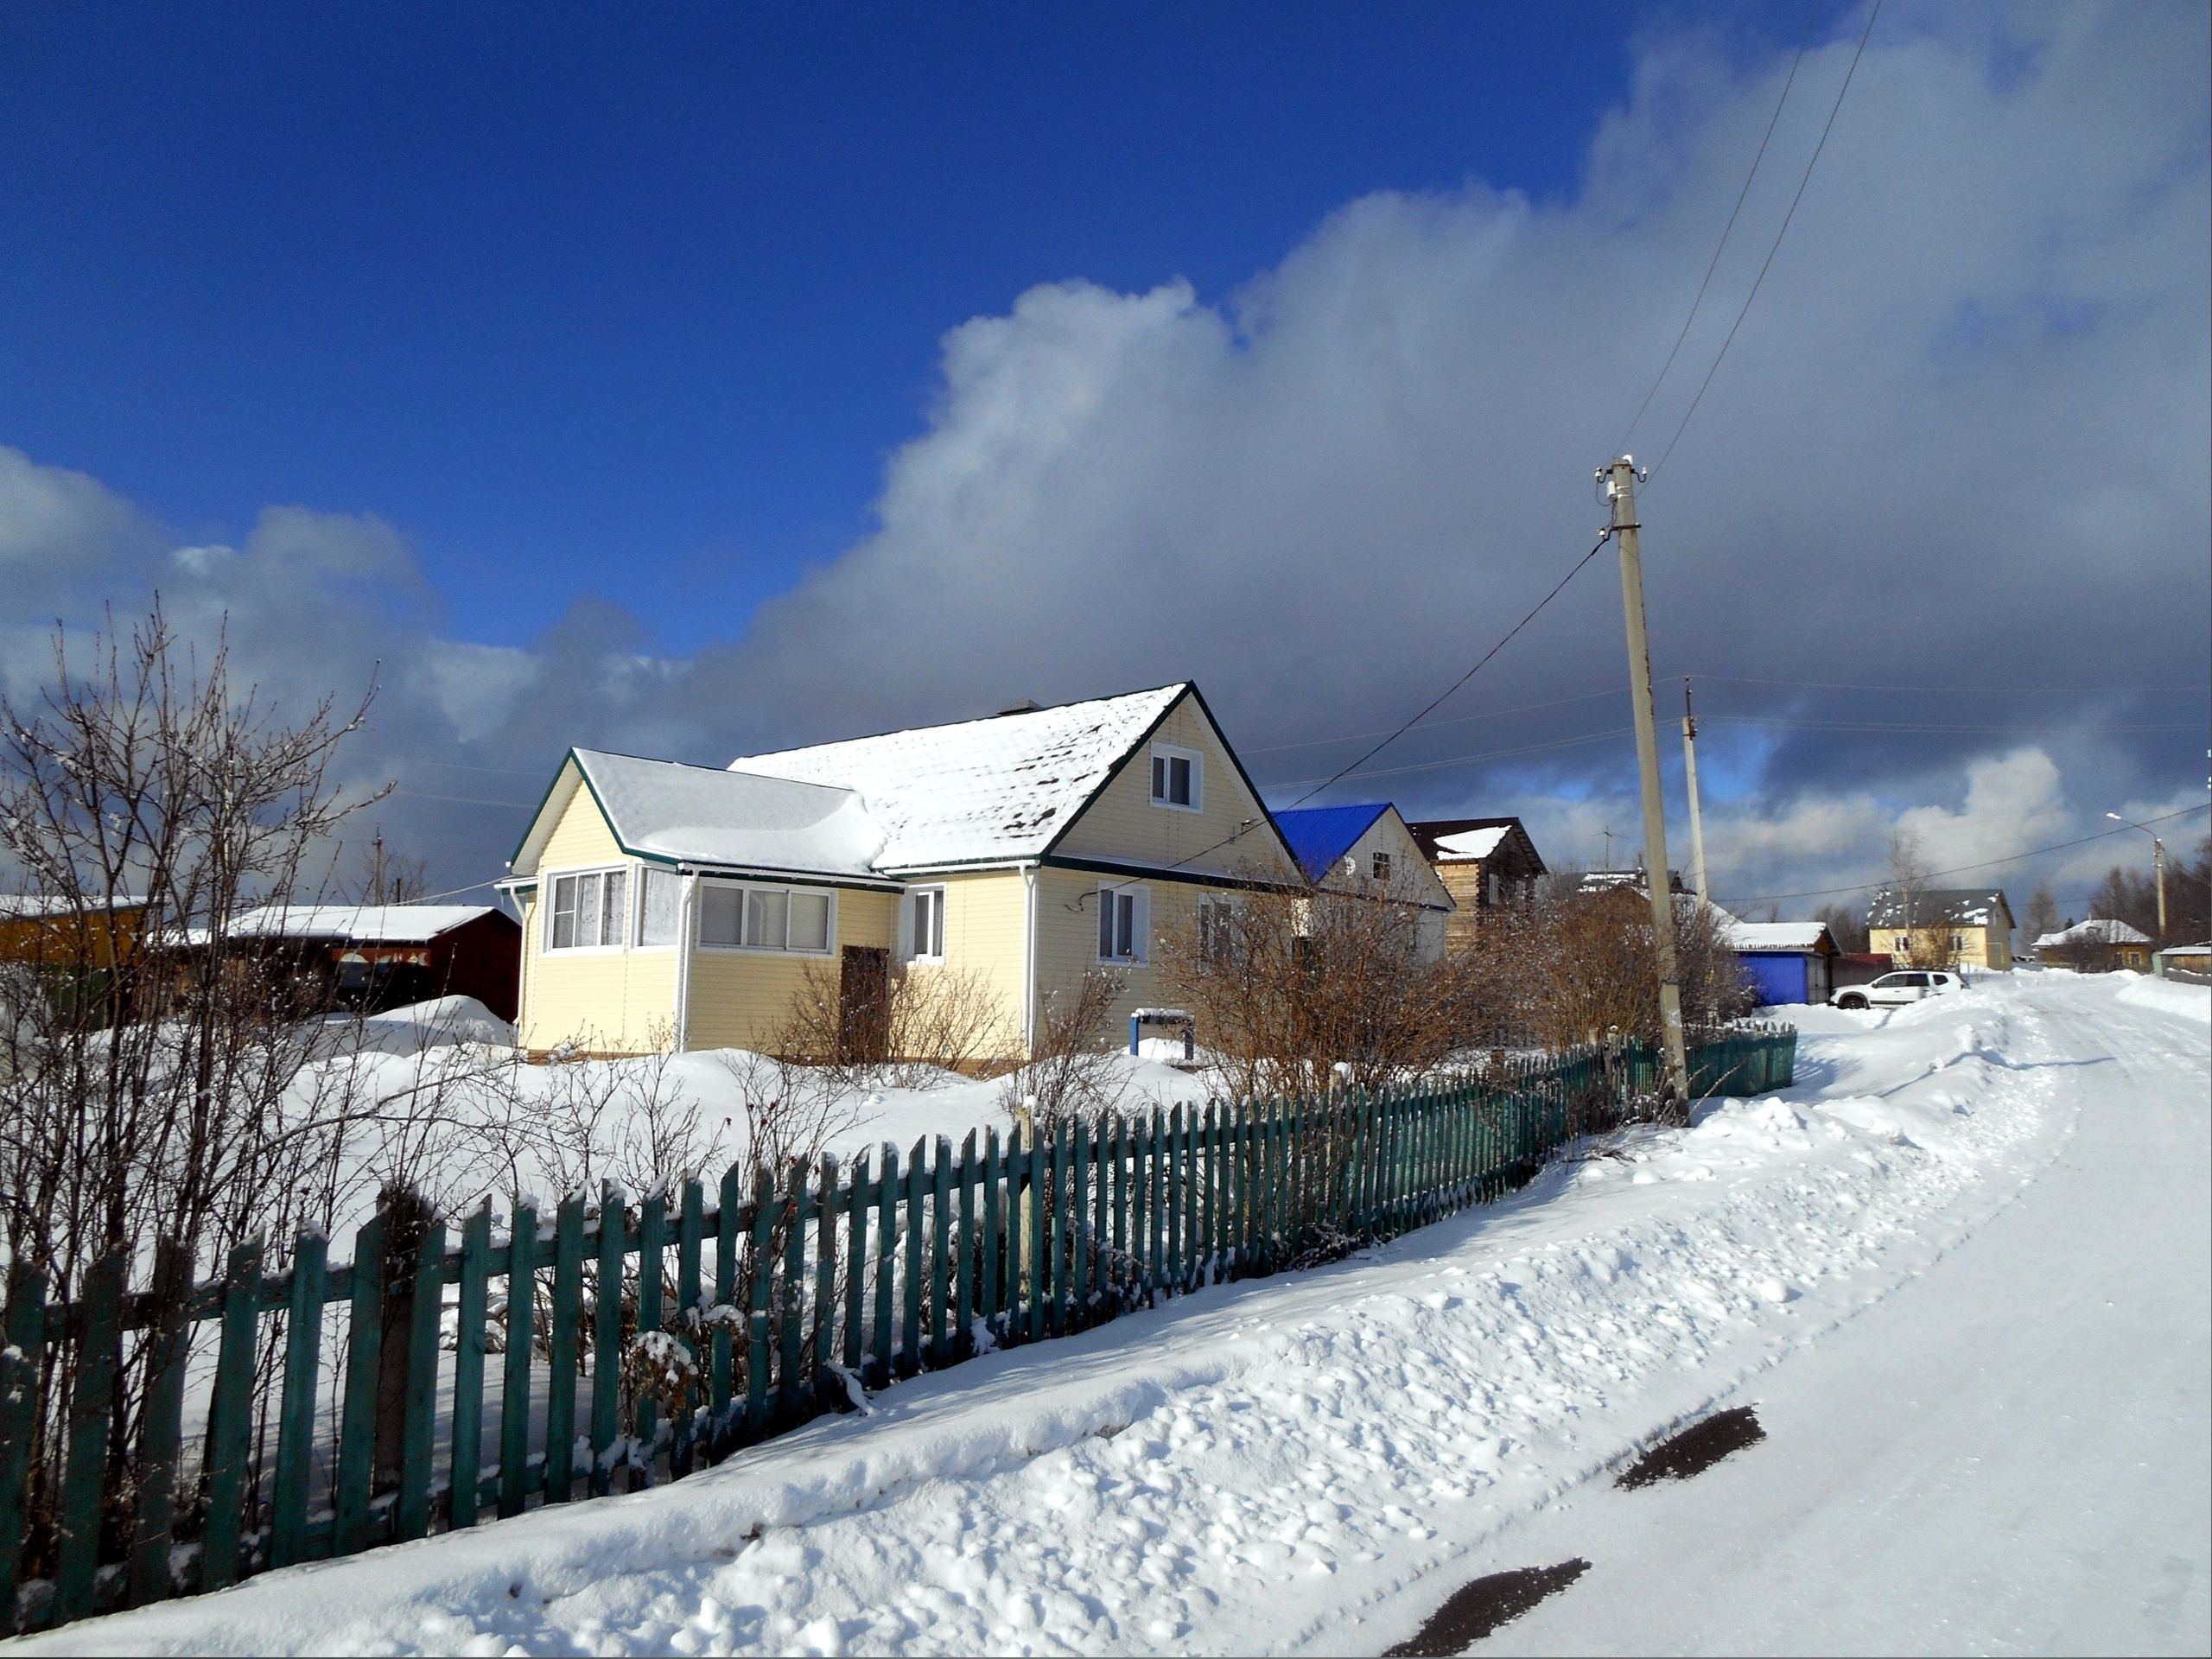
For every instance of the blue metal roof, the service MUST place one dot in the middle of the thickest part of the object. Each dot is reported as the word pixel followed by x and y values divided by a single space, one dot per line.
pixel 1319 835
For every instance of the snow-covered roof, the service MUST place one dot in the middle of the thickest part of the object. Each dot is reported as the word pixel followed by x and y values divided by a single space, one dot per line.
pixel 1779 936
pixel 355 924
pixel 2096 931
pixel 1956 906
pixel 1471 843
pixel 731 819
pixel 982 791
pixel 27 906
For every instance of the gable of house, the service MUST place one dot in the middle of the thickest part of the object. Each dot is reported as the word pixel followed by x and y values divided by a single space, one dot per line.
pixel 1370 845
pixel 1220 833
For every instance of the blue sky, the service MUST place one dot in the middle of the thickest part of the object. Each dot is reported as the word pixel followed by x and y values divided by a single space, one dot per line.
pixel 696 381
pixel 567 292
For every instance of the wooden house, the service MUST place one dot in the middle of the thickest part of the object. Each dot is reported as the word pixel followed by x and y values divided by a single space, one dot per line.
pixel 1483 862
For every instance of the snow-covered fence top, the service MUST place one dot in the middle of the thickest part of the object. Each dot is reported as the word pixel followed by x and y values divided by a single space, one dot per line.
pixel 634 1343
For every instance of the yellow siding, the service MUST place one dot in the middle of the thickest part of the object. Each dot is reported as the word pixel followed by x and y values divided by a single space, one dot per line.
pixel 610 1001
pixel 1067 937
pixel 1981 947
pixel 1123 823
pixel 740 998
pixel 987 934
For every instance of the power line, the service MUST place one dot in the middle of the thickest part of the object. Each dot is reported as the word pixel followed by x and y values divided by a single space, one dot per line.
pixel 1604 536
pixel 1490 755
pixel 1778 235
pixel 1985 864
pixel 1621 449
pixel 1907 726
pixel 1455 720
pixel 1952 691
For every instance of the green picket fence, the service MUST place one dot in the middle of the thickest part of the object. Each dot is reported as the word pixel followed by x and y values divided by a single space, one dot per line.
pixel 437 1381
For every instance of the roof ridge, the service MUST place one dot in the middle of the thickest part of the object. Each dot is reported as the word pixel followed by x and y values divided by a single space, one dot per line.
pixel 1000 720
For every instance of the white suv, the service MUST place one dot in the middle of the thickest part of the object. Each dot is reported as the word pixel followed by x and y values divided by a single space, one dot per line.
pixel 1893 989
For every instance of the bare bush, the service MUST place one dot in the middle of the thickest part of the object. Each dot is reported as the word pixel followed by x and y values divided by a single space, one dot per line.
pixel 1073 1073
pixel 1565 965
pixel 935 1023
pixel 1301 993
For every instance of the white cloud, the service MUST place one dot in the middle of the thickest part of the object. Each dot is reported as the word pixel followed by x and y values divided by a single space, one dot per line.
pixel 1960 439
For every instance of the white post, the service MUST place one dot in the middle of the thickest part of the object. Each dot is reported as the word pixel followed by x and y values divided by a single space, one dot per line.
pixel 1689 769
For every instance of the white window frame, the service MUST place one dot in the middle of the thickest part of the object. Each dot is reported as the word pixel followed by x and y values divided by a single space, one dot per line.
pixel 1159 772
pixel 1129 907
pixel 549 884
pixel 639 875
pixel 744 890
pixel 1379 865
pixel 918 948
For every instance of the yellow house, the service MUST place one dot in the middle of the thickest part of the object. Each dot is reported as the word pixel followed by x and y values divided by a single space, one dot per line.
pixel 1968 927
pixel 671 904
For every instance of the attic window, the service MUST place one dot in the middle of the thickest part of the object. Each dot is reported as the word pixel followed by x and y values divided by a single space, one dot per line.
pixel 1379 866
pixel 1178 778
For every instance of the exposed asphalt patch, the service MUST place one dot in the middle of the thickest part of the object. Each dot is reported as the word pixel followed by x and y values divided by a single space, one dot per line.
pixel 1476 1610
pixel 1696 1449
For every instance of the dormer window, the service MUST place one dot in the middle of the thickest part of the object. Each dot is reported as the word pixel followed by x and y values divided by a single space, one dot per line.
pixel 1178 778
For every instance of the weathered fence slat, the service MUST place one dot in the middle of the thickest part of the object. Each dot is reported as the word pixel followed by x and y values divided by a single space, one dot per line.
pixel 917 1276
pixel 514 1399
pixel 21 1359
pixel 607 1337
pixel 288 1536
pixel 161 1424
pixel 887 1262
pixel 91 1403
pixel 756 1324
pixel 465 1470
pixel 229 1417
pixel 357 1427
pixel 798 1210
pixel 411 1515
pixel 564 1363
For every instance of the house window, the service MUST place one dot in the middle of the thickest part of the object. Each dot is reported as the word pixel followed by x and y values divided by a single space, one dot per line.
pixel 1379 866
pixel 660 906
pixel 765 919
pixel 926 931
pixel 587 911
pixel 1179 778
pixel 1217 930
pixel 1124 922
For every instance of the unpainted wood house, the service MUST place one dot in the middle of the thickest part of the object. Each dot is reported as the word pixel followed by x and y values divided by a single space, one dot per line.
pixel 1483 862
pixel 671 904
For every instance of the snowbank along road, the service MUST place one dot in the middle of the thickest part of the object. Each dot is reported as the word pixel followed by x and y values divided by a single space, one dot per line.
pixel 1960 1272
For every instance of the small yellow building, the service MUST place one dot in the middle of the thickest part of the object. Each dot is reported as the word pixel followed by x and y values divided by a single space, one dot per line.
pixel 665 904
pixel 1971 927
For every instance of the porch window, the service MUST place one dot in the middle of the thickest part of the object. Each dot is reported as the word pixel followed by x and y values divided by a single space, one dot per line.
pixel 588 910
pixel 660 906
pixel 732 917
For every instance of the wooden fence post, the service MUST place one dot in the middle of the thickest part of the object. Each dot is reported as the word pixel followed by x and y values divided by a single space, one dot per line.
pixel 515 1483
pixel 466 1445
pixel 230 1419
pixel 357 1430
pixel 411 1512
pixel 161 1423
pixel 287 1538
pixel 22 1357
pixel 97 1328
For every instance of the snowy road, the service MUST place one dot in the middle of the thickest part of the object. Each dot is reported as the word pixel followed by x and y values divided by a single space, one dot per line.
pixel 2009 1454
pixel 1905 1265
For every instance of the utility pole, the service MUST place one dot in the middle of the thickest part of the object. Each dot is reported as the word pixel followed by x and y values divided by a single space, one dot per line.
pixel 2157 863
pixel 1620 479
pixel 1689 769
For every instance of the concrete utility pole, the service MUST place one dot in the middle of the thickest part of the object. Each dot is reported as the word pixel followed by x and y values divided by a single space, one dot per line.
pixel 2157 863
pixel 1689 769
pixel 1619 477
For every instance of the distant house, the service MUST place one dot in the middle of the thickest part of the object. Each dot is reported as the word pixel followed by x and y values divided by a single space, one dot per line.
pixel 41 928
pixel 1786 961
pixel 374 956
pixel 1483 862
pixel 2182 959
pixel 672 904
pixel 1369 849
pixel 1977 921
pixel 2102 941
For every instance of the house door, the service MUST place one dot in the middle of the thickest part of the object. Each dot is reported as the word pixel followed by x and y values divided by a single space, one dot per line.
pixel 864 1004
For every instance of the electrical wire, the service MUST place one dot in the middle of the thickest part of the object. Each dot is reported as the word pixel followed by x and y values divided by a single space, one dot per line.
pixel 1833 110
pixel 1454 720
pixel 1604 536
pixel 2000 690
pixel 1621 449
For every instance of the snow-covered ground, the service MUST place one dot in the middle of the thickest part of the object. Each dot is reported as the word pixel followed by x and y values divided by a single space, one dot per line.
pixel 1960 1270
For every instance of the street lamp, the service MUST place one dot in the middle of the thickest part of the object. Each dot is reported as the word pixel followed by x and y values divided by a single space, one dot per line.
pixel 2158 859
